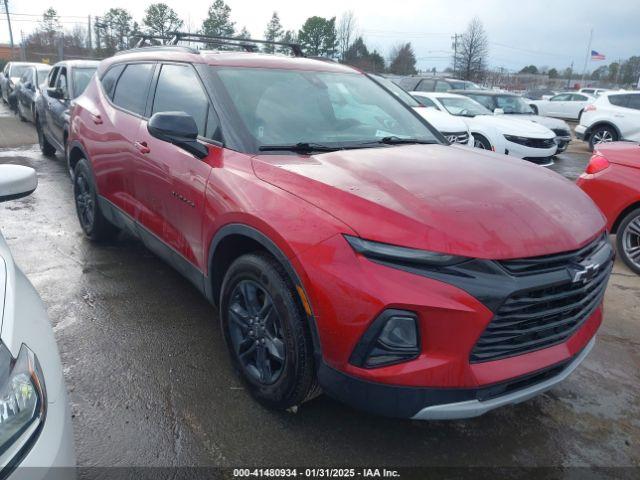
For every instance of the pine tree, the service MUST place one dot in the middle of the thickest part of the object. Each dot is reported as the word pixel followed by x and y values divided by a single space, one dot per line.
pixel 218 22
pixel 273 33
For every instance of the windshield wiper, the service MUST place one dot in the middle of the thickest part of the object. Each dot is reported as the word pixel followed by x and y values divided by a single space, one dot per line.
pixel 393 140
pixel 300 147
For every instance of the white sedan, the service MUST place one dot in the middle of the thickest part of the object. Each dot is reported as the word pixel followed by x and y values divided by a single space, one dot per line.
pixel 35 420
pixel 452 128
pixel 511 136
pixel 563 105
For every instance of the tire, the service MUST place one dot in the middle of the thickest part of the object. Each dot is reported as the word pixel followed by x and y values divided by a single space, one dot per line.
pixel 272 353
pixel 94 224
pixel 602 134
pixel 628 240
pixel 46 148
pixel 479 141
pixel 535 109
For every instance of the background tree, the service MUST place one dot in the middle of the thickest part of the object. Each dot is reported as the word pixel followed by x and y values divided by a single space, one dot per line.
pixel 115 28
pixel 630 71
pixel 318 36
pixel 402 60
pixel 614 70
pixel 346 32
pixel 553 73
pixel 244 33
pixel 532 69
pixel 290 36
pixel 358 55
pixel 50 26
pixel 472 52
pixel 160 19
pixel 273 33
pixel 218 21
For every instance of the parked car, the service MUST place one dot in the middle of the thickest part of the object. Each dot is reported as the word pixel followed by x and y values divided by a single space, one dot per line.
pixel 28 90
pixel 353 252
pixel 613 116
pixel 539 94
pixel 567 105
pixel 518 138
pixel 434 84
pixel 10 78
pixel 510 104
pixel 66 81
pixel 594 92
pixel 452 128
pixel 612 180
pixel 35 425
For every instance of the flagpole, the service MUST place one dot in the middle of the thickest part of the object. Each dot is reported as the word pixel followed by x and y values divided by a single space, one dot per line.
pixel 586 58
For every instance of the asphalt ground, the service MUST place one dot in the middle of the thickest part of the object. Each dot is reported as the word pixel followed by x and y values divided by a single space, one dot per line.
pixel 150 383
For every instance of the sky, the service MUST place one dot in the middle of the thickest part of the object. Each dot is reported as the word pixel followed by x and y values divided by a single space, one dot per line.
pixel 539 32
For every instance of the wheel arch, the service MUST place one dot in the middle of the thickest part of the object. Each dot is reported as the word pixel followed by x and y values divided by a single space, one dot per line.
pixel 76 152
pixel 601 123
pixel 236 239
pixel 622 214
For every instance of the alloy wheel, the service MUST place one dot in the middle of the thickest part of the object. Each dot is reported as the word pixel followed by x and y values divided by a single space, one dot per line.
pixel 255 331
pixel 631 241
pixel 602 136
pixel 84 202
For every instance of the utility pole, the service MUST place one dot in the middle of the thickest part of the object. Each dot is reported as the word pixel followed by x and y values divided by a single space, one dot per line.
pixel 586 58
pixel 455 51
pixel 89 34
pixel 570 74
pixel 6 9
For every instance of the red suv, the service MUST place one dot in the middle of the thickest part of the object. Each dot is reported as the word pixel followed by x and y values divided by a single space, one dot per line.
pixel 348 247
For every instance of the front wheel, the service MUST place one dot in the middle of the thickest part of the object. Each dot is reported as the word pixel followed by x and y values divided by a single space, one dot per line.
pixel 481 142
pixel 46 148
pixel 535 109
pixel 93 222
pixel 628 240
pixel 266 332
pixel 602 134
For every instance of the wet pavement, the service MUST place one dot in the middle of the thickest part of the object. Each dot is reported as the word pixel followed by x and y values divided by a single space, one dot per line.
pixel 150 382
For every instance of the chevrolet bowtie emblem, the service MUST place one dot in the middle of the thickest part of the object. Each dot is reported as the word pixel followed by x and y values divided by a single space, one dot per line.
pixel 586 273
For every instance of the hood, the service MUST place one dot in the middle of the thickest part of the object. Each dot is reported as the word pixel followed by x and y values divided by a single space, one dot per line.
pixel 446 199
pixel 545 121
pixel 621 153
pixel 511 126
pixel 443 122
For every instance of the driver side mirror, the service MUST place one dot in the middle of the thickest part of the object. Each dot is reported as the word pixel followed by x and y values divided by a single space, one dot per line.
pixel 16 181
pixel 498 111
pixel 178 128
pixel 29 86
pixel 54 92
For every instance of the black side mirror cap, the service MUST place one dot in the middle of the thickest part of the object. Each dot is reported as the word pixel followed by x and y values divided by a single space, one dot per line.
pixel 178 128
pixel 55 93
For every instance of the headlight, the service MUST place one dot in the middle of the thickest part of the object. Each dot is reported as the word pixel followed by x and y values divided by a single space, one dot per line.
pixel 394 253
pixel 516 139
pixel 22 401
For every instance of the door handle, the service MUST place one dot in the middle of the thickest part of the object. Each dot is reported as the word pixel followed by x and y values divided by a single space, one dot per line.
pixel 142 147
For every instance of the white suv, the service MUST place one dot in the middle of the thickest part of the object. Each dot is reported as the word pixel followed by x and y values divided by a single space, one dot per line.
pixel 613 116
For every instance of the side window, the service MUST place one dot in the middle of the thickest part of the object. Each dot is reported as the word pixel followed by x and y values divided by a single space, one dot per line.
pixel 618 100
pixel 634 101
pixel 131 89
pixel 409 84
pixel 426 102
pixel 62 83
pixel 179 90
pixel 110 78
pixel 426 85
pixel 6 69
pixel 442 86
pixel 579 98
pixel 51 80
pixel 563 97
pixel 26 76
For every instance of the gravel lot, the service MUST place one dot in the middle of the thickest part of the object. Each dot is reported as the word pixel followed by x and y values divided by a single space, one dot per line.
pixel 150 383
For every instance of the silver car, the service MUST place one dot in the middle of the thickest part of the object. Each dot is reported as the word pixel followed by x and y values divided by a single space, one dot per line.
pixel 35 418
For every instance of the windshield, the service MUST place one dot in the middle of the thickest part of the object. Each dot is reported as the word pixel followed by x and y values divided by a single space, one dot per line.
pixel 18 70
pixel 463 106
pixel 512 104
pixel 81 77
pixel 286 107
pixel 41 73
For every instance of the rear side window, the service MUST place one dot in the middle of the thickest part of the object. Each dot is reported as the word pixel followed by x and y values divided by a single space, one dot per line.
pixel 618 100
pixel 442 86
pixel 131 88
pixel 426 86
pixel 579 98
pixel 634 101
pixel 179 90
pixel 110 78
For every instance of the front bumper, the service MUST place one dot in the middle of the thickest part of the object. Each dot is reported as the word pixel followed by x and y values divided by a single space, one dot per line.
pixel 524 152
pixel 444 403
pixel 580 132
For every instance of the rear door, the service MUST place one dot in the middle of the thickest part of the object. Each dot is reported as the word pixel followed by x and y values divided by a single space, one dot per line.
pixel 58 107
pixel 170 183
pixel 46 101
pixel 629 118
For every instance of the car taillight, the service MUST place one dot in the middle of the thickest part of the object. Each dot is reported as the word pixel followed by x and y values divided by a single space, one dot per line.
pixel 597 164
pixel 590 108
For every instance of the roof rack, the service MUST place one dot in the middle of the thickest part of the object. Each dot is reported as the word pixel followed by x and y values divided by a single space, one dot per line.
pixel 248 44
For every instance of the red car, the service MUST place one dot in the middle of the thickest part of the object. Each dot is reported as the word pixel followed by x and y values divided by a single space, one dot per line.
pixel 612 180
pixel 347 245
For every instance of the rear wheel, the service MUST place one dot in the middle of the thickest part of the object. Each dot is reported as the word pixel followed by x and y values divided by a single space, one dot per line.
pixel 45 147
pixel 535 109
pixel 479 141
pixel 628 240
pixel 266 332
pixel 92 221
pixel 602 134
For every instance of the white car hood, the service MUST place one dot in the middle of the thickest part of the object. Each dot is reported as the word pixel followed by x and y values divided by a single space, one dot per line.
pixel 510 126
pixel 548 122
pixel 443 122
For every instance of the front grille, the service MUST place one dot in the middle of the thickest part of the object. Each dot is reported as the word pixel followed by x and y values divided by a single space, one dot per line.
pixel 561 132
pixel 544 315
pixel 533 142
pixel 456 137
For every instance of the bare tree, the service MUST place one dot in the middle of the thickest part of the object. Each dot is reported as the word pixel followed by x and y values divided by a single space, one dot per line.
pixel 470 61
pixel 346 32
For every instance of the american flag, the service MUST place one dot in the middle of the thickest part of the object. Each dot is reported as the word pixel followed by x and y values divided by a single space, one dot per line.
pixel 596 56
